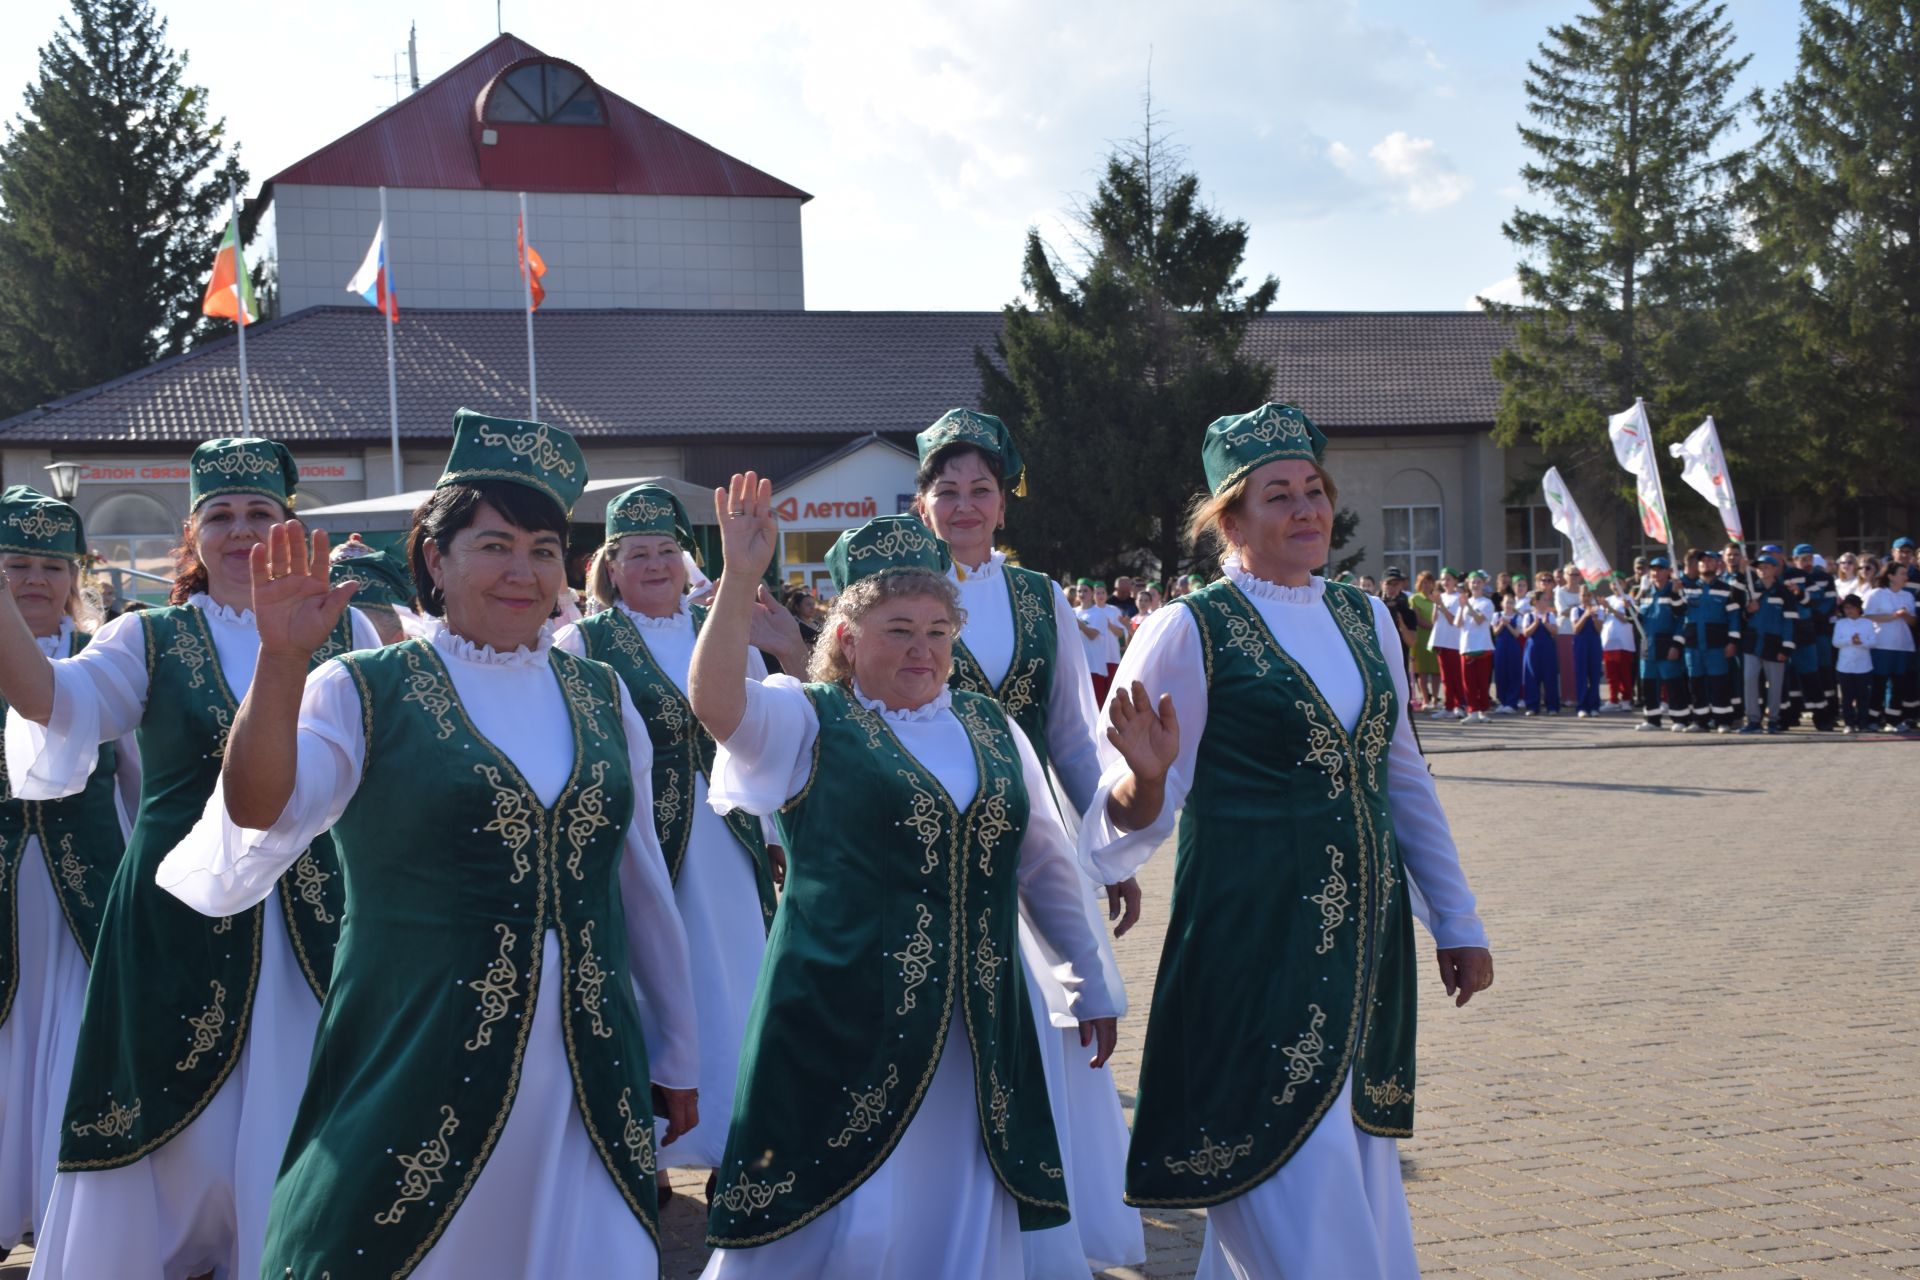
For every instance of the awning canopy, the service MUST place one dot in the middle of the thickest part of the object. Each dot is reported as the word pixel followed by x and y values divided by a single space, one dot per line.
pixel 394 512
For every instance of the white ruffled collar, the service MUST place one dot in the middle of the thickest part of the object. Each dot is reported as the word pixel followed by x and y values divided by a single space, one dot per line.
pixel 933 709
pixel 679 620
pixel 220 612
pixel 459 647
pixel 55 645
pixel 1261 589
pixel 983 573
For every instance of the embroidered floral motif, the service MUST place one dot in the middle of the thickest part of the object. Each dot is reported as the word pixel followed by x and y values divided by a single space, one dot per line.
pixel 924 821
pixel 591 978
pixel 421 1173
pixel 641 509
pixel 1029 607
pixel 868 722
pixel 1053 1171
pixel 73 871
pixel 188 649
pixel 310 882
pixel 747 1197
pixel 239 462
pixel 916 961
pixel 115 1122
pixel 1323 749
pixel 987 960
pixel 1332 901
pixel 636 1136
pixel 869 1107
pixel 587 817
pixel 587 705
pixel 1209 1158
pixel 902 539
pixel 1242 636
pixel 536 445
pixel 999 1106
pixel 626 638
pixel 495 991
pixel 205 1029
pixel 431 691
pixel 41 524
pixel 1304 1057
pixel 992 822
pixel 222 726
pixel 973 714
pixel 512 819
pixel 223 925
pixel 1016 695
pixel 1370 740
pixel 667 800
pixel 1389 1094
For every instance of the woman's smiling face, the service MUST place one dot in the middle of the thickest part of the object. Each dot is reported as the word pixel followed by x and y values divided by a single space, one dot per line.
pixel 225 531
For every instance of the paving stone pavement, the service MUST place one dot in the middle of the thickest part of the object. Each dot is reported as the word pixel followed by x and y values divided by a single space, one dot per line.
pixel 1702 1055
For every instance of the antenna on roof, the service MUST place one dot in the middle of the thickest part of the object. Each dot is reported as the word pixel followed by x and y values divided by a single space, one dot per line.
pixel 496 17
pixel 413 56
pixel 396 77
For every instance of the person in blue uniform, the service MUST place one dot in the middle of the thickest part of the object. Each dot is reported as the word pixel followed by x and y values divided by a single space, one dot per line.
pixel 1713 643
pixel 1662 608
pixel 1811 669
pixel 1767 643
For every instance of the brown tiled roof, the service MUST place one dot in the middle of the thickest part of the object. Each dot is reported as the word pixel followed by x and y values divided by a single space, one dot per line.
pixel 320 376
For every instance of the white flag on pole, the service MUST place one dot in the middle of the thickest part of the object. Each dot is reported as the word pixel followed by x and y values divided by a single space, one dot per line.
pixel 1704 467
pixel 1632 436
pixel 1566 517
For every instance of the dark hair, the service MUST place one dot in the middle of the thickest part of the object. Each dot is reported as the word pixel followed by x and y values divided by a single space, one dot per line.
pixel 1887 570
pixel 1853 598
pixel 189 575
pixel 929 472
pixel 453 507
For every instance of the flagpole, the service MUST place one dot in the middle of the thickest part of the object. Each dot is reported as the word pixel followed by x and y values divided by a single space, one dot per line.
pixel 240 306
pixel 387 318
pixel 526 286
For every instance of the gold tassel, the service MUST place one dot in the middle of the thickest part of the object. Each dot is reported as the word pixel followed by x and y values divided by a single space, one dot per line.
pixel 1020 490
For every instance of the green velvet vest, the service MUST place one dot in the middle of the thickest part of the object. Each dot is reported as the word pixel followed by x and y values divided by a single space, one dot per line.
pixel 897 904
pixel 81 842
pixel 1028 684
pixel 1289 956
pixel 680 745
pixel 172 991
pixel 454 873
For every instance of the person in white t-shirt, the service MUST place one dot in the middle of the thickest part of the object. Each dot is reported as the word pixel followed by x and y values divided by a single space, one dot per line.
pixel 1474 617
pixel 1894 702
pixel 1116 625
pixel 1617 645
pixel 1853 662
pixel 1093 637
pixel 1445 643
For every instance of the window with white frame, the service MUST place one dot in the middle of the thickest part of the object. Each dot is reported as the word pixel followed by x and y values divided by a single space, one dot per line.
pixel 1413 539
pixel 1533 544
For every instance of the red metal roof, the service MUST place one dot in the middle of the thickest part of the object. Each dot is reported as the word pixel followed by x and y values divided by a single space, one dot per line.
pixel 427 140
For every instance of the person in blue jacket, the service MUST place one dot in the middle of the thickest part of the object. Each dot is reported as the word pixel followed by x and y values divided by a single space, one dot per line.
pixel 1540 665
pixel 1663 675
pixel 1767 643
pixel 1713 641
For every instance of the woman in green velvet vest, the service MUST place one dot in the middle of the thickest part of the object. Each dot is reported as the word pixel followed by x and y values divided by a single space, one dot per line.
pixel 196 1032
pixel 891 1115
pixel 57 858
pixel 480 1101
pixel 1269 711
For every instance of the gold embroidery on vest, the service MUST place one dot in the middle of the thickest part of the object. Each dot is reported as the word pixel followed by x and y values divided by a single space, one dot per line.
pixel 1241 637
pixel 1332 901
pixel 1018 693
pixel 1323 749
pixel 973 715
pixel 869 1107
pixel 1028 606
pixel 1052 1170
pixel 992 823
pixel 1389 1094
pixel 986 960
pixel 625 638
pixel 420 1174
pixel 916 962
pixel 746 1197
pixel 635 1136
pixel 1371 739
pixel 1208 1158
pixel 512 819
pixel 666 805
pixel 222 726
pixel 73 871
pixel 588 817
pixel 309 881
pixel 223 925
pixel 1304 1057
pixel 869 723
pixel 586 704
pixel 190 652
pixel 1000 1104
pixel 496 990
pixel 592 977
pixel 206 1029
pixel 428 689
pixel 925 822
pixel 115 1122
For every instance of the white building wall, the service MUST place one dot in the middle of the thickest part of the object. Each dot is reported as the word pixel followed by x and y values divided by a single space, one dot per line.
pixel 452 249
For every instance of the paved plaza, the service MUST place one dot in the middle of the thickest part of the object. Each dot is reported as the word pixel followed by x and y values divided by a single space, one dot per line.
pixel 1701 1057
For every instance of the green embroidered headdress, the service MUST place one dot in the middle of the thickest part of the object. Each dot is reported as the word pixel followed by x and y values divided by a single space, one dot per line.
pixel 382 576
pixel 650 509
pixel 1236 445
pixel 33 524
pixel 541 457
pixel 984 432
pixel 232 465
pixel 885 544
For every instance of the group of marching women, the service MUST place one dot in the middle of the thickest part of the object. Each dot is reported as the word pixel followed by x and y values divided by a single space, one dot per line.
pixel 334 957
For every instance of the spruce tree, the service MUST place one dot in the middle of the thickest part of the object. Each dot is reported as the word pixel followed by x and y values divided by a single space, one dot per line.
pixel 1836 202
pixel 1110 373
pixel 113 181
pixel 1624 256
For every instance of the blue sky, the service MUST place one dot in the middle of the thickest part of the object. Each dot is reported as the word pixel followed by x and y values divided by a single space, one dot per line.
pixel 1369 144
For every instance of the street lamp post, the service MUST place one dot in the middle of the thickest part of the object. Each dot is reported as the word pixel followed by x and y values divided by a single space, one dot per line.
pixel 65 480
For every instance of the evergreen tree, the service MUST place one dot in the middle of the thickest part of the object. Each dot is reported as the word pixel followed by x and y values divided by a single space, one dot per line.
pixel 1626 256
pixel 1836 202
pixel 113 183
pixel 1111 372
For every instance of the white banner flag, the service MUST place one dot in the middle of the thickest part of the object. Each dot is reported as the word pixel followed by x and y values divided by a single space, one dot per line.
pixel 1632 437
pixel 1568 520
pixel 1704 467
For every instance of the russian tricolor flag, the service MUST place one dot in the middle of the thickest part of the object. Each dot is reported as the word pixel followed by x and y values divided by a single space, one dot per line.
pixel 373 281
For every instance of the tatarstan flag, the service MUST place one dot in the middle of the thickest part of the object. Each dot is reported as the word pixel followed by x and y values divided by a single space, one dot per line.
pixel 229 291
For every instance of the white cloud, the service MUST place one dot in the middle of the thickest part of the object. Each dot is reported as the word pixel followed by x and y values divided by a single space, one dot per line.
pixel 1426 177
pixel 1507 290
pixel 1342 156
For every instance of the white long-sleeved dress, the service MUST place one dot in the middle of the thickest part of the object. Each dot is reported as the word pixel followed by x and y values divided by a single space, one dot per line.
pixel 1337 1207
pixel 1105 1230
pixel 37 1039
pixel 544 1204
pixel 199 1202
pixel 719 903
pixel 933 1210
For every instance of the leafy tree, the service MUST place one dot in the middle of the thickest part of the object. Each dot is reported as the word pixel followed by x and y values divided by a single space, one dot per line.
pixel 1625 259
pixel 1112 366
pixel 113 182
pixel 1836 203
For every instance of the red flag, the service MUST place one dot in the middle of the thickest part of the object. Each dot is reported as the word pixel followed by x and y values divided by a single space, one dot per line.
pixel 530 259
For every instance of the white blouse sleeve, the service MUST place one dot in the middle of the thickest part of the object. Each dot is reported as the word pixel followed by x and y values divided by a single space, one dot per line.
pixel 98 694
pixel 656 938
pixel 1071 713
pixel 364 635
pixel 569 640
pixel 222 868
pixel 1441 898
pixel 1053 896
pixel 1164 657
pixel 770 756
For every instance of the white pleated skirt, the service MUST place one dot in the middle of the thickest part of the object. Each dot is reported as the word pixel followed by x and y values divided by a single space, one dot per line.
pixel 36 1047
pixel 932 1211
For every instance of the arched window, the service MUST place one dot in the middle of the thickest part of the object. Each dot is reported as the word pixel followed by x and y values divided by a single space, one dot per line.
pixel 135 531
pixel 132 513
pixel 545 93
